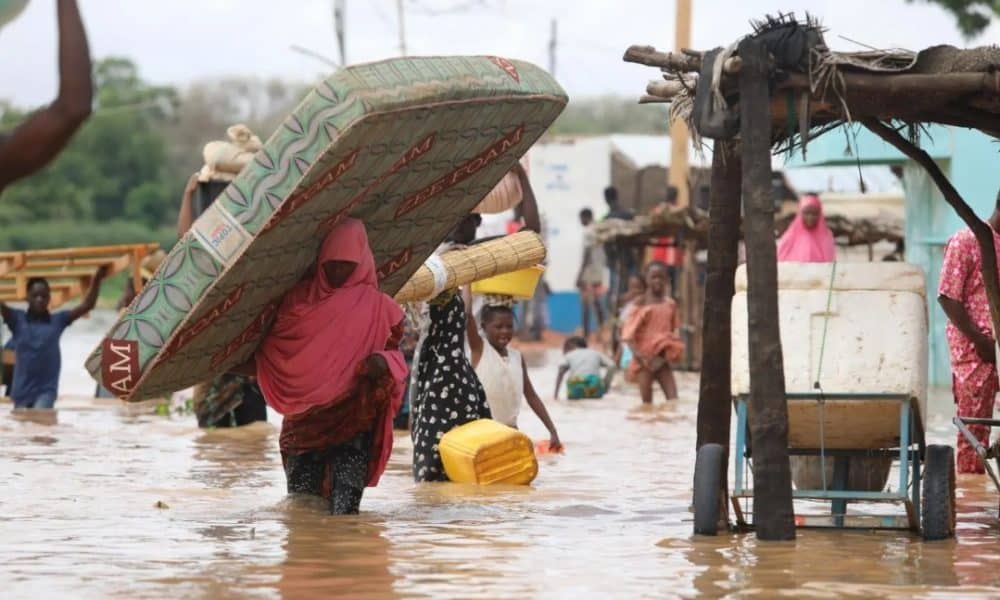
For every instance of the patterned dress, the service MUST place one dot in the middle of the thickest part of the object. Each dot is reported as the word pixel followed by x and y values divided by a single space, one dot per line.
pixel 974 382
pixel 229 401
pixel 447 392
pixel 333 451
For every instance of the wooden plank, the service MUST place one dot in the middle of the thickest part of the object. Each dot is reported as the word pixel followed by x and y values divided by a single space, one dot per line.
pixel 715 393
pixel 89 250
pixel 10 261
pixel 75 273
pixel 69 270
pixel 775 519
pixel 120 262
pixel 847 424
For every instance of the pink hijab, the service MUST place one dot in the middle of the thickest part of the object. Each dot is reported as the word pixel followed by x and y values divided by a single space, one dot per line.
pixel 801 244
pixel 321 333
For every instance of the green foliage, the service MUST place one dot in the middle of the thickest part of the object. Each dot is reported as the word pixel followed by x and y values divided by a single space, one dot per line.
pixel 610 114
pixel 145 204
pixel 116 161
pixel 60 234
pixel 972 16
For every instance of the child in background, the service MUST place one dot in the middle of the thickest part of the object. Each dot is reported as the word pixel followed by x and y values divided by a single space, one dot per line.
pixel 583 365
pixel 501 369
pixel 651 332
pixel 636 288
pixel 36 334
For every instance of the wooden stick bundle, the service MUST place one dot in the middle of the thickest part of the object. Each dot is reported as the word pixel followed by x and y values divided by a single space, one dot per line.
pixel 461 267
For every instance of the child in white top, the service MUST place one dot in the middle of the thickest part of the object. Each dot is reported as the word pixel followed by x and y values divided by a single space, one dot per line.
pixel 501 369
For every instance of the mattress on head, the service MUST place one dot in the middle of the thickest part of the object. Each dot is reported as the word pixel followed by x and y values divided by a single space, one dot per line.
pixel 408 146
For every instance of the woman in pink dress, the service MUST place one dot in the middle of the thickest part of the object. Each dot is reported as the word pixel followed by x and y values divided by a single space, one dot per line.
pixel 807 239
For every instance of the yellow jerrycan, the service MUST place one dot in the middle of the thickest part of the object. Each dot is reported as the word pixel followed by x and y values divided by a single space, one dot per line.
pixel 485 452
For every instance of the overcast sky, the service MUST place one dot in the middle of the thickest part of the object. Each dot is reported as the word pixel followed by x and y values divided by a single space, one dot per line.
pixel 183 40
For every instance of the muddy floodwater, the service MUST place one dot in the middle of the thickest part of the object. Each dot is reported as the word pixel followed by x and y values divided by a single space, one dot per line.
pixel 103 500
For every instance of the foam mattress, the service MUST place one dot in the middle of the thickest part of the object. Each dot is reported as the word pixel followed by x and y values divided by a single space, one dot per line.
pixel 408 146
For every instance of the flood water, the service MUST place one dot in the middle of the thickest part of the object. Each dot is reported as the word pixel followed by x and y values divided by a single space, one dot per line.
pixel 105 500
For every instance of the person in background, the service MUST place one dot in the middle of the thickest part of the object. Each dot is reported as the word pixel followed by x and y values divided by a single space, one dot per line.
pixel 583 365
pixel 501 369
pixel 8 367
pixel 971 340
pixel 38 140
pixel 651 332
pixel 331 365
pixel 446 390
pixel 36 333
pixel 590 280
pixel 527 216
pixel 807 239
pixel 620 256
pixel 669 249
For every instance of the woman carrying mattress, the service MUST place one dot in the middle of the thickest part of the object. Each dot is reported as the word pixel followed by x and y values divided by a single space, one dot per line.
pixel 331 365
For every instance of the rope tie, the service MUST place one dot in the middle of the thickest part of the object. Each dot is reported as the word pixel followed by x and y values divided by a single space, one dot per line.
pixel 819 371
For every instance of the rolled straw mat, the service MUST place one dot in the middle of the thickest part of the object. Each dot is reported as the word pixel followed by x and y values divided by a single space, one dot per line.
pixel 409 146
pixel 460 267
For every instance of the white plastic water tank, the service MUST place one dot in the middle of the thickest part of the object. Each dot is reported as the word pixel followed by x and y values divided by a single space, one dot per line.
pixel 876 342
pixel 876 338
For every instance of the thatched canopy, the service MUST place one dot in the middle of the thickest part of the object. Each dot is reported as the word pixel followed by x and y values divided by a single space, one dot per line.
pixel 815 89
pixel 693 225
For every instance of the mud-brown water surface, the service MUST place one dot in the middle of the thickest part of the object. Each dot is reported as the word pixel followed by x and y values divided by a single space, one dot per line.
pixel 101 500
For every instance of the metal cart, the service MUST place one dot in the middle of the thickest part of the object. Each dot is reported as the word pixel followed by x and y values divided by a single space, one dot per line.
pixel 838 427
pixel 984 453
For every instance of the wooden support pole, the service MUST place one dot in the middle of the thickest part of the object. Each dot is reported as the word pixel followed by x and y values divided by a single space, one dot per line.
pixel 979 227
pixel 715 393
pixel 772 482
pixel 677 176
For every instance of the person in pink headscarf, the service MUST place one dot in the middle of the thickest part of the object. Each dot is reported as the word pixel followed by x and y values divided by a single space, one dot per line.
pixel 331 365
pixel 807 239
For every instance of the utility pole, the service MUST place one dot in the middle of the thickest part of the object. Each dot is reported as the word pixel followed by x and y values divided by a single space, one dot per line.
pixel 552 48
pixel 401 19
pixel 678 175
pixel 339 16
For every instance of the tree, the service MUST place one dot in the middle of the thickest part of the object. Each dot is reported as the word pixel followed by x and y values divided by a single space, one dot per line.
pixel 972 16
pixel 610 114
pixel 208 108
pixel 119 150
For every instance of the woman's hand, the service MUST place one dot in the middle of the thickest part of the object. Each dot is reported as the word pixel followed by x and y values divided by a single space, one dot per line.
pixel 375 367
pixel 986 349
pixel 554 444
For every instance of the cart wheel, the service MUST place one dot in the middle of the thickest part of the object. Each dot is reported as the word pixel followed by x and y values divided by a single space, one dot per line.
pixel 938 510
pixel 707 477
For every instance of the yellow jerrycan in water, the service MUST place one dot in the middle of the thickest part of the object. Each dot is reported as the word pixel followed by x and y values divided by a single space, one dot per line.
pixel 486 452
